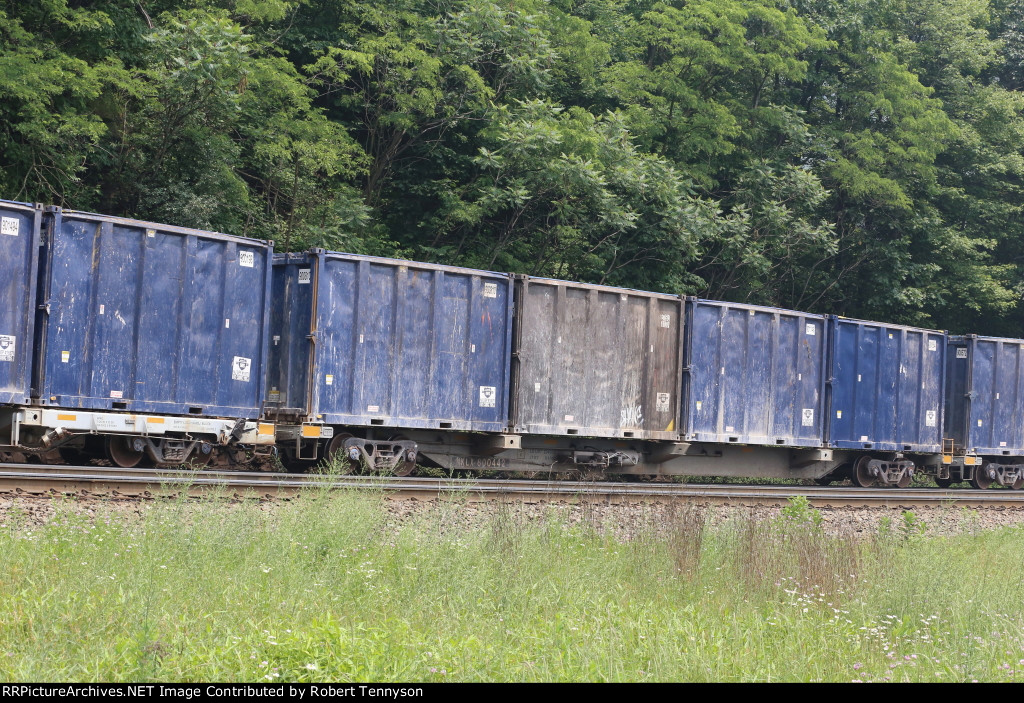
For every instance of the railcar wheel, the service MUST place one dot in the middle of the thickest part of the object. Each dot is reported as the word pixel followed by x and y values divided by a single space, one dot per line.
pixel 335 451
pixel 403 468
pixel 202 455
pixel 905 480
pixel 981 478
pixel 861 473
pixel 124 451
pixel 944 482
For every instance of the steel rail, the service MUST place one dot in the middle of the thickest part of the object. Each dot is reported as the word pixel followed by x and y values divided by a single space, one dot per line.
pixel 41 479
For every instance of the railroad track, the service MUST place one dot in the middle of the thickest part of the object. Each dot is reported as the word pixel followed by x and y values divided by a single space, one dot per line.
pixel 95 480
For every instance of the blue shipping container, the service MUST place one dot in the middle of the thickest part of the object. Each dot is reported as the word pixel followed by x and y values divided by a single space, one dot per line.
pixel 887 386
pixel 152 318
pixel 755 374
pixel 19 262
pixel 985 395
pixel 360 340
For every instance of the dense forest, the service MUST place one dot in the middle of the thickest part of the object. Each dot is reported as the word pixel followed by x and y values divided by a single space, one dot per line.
pixel 861 157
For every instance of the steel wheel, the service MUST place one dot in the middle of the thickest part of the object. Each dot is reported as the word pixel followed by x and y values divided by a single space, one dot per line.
pixel 905 481
pixel 336 444
pixel 981 478
pixel 335 452
pixel 862 473
pixel 123 452
pixel 202 455
pixel 403 468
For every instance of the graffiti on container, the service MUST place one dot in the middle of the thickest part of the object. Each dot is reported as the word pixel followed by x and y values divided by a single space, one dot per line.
pixel 632 416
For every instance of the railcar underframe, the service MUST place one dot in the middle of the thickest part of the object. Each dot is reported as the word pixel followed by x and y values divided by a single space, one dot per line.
pixel 388 450
pixel 128 438
pixel 167 440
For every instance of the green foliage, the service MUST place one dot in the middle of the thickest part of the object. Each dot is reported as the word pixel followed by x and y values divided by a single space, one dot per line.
pixel 912 526
pixel 861 157
pixel 47 125
pixel 798 511
pixel 567 194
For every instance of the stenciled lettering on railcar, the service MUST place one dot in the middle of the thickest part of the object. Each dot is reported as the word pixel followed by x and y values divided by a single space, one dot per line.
pixel 479 462
pixel 7 344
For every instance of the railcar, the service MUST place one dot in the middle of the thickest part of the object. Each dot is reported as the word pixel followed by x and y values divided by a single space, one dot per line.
pixel 130 340
pixel 885 399
pixel 984 411
pixel 367 352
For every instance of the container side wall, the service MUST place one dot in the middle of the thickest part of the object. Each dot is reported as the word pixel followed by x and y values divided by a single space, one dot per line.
pixel 887 387
pixel 756 375
pixel 19 262
pixel 597 361
pixel 996 392
pixel 404 344
pixel 150 318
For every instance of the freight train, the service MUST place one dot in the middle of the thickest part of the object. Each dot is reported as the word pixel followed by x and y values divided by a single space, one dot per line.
pixel 142 343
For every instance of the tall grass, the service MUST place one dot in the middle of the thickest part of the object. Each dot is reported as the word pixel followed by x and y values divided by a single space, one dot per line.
pixel 328 587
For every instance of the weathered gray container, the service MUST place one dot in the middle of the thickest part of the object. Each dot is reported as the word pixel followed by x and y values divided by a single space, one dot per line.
pixel 19 262
pixel 362 340
pixel 596 361
pixel 755 375
pixel 152 318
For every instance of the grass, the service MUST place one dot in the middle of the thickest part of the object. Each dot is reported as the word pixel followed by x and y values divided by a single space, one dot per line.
pixel 328 588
